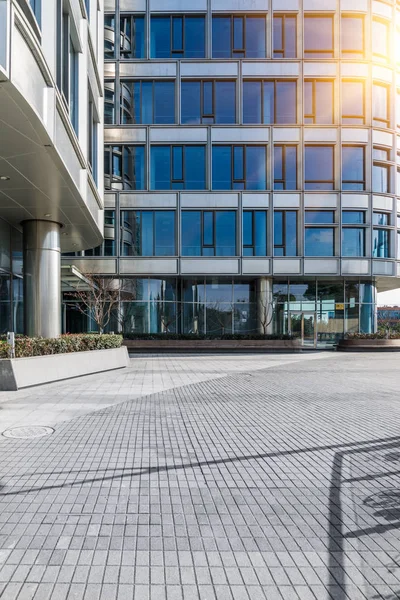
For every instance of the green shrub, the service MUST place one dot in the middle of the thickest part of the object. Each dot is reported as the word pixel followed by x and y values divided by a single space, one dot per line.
pixel 25 346
pixel 193 336
pixel 380 335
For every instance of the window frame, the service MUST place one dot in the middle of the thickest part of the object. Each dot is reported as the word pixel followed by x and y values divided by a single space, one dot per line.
pixel 386 23
pixel 109 147
pixel 153 212
pixel 333 181
pixel 354 54
pixel 308 54
pixel 284 232
pixel 118 54
pixel 252 246
pixel 349 181
pixel 176 54
pixel 363 117
pixel 284 179
pixel 213 81
pixel 213 245
pixel 325 227
pixel 377 121
pixel 243 180
pixel 262 81
pixel 384 164
pixel 172 179
pixel 235 51
pixel 283 17
pixel 314 81
pixel 132 80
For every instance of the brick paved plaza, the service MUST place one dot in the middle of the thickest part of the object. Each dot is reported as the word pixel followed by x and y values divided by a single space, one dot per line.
pixel 238 478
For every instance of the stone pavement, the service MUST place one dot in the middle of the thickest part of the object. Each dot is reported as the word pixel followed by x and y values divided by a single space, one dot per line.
pixel 271 483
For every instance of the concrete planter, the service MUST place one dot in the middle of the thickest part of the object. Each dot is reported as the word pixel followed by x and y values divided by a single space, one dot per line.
pixel 369 345
pixel 20 373
pixel 213 345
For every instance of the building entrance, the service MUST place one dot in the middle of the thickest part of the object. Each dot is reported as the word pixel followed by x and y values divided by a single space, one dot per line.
pixel 303 327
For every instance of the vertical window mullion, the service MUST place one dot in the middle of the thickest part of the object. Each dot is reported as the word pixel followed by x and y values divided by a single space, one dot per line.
pixel 244 167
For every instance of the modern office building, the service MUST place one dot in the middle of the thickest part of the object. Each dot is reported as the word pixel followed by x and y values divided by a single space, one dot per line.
pixel 51 131
pixel 251 152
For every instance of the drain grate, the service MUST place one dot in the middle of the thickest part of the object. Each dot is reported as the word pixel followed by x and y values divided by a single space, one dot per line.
pixel 27 433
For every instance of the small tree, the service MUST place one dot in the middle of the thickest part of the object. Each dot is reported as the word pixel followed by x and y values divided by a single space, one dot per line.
pixel 97 297
pixel 265 310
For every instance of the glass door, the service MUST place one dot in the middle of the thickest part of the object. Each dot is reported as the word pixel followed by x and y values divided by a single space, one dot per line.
pixel 309 336
pixel 303 327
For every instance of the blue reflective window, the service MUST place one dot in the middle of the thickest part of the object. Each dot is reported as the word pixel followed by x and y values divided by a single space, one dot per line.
pixel 254 233
pixel 353 168
pixel 124 168
pixel 379 218
pixel 318 102
pixel 178 168
pixel 36 6
pixel 177 36
pixel 208 233
pixel 148 233
pixel 208 102
pixel 353 241
pixel 319 168
pixel 238 36
pixel 285 233
pixel 239 168
pixel 109 102
pixel 319 217
pixel 109 36
pixel 319 241
pixel 147 102
pixel 132 37
pixel 381 243
pixel 270 102
pixel 285 167
pixel 353 217
pixel 284 36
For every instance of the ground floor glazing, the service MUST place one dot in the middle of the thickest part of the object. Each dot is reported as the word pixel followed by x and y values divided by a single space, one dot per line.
pixel 318 311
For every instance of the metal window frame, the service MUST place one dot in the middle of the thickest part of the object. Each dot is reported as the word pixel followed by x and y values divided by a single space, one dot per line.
pixel 213 81
pixel 234 53
pixel 360 227
pixel 132 81
pixel 313 116
pixel 284 212
pixel 377 121
pixel 275 82
pixel 331 51
pixel 324 227
pixel 332 181
pixel 283 181
pixel 141 211
pixel 353 54
pixel 119 54
pixel 386 23
pixel 173 53
pixel 343 116
pixel 350 181
pixel 244 146
pixel 115 56
pixel 281 51
pixel 214 212
pixel 183 146
pixel 112 178
pixel 253 212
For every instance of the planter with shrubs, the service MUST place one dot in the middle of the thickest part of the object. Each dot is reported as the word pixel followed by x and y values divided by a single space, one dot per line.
pixel 42 360
pixel 382 341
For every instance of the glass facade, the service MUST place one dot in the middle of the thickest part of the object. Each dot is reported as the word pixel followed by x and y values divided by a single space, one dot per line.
pixel 242 157
pixel 11 293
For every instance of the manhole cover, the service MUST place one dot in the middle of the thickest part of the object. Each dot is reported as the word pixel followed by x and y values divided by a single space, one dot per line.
pixel 25 433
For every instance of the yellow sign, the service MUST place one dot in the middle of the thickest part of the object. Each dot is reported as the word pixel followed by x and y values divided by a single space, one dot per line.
pixel 339 306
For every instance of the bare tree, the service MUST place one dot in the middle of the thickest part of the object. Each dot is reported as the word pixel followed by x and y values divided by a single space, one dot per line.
pixel 221 313
pixel 96 297
pixel 265 310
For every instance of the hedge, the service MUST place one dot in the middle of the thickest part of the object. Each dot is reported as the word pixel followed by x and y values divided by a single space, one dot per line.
pixel 380 335
pixel 193 336
pixel 25 346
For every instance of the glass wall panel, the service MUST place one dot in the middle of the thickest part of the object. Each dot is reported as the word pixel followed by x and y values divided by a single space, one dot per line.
pixel 284 36
pixel 353 168
pixel 132 37
pixel 186 171
pixel 319 168
pixel 319 241
pixel 353 103
pixel 352 36
pixel 124 168
pixel 238 37
pixel 5 303
pixel 318 36
pixel 353 241
pixel 177 36
pixel 109 35
pixel 381 243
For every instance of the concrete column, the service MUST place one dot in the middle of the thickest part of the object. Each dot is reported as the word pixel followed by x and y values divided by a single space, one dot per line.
pixel 42 278
pixel 264 305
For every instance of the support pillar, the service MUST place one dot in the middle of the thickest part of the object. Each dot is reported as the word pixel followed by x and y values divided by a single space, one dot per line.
pixel 264 305
pixel 42 278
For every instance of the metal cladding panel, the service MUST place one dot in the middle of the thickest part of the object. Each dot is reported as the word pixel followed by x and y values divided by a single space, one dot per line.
pixel 383 267
pixel 256 266
pixel 207 266
pixel 106 266
pixel 287 266
pixel 323 266
pixel 209 200
pixel 351 266
pixel 148 266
